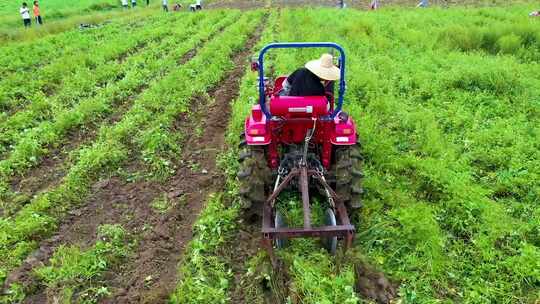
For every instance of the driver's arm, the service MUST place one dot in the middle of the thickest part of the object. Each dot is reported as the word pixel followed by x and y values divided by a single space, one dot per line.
pixel 285 88
pixel 287 84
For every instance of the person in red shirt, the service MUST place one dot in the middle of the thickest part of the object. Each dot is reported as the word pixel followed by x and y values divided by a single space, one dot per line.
pixel 37 14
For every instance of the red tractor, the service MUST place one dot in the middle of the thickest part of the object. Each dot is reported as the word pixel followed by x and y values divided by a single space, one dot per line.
pixel 305 143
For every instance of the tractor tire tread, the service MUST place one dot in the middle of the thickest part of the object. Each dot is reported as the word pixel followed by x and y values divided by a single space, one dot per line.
pixel 346 174
pixel 254 176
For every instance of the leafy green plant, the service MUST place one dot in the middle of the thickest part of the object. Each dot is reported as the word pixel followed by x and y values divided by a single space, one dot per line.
pixel 162 204
pixel 112 147
pixel 74 272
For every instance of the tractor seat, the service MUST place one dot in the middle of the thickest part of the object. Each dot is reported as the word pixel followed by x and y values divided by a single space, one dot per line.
pixel 299 106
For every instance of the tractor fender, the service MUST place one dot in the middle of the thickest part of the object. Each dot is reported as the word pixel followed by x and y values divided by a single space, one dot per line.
pixel 256 128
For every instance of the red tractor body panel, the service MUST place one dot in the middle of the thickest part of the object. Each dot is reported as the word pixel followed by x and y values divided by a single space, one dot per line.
pixel 292 117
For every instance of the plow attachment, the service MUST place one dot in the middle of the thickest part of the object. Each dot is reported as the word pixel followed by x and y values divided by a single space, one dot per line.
pixel 337 220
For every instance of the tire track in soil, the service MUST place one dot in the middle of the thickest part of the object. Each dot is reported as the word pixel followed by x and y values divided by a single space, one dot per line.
pixel 245 245
pixel 158 256
pixel 53 167
pixel 149 276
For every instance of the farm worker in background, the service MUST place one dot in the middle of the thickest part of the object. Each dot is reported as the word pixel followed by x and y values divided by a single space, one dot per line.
pixel 37 13
pixel 133 3
pixel 374 5
pixel 147 2
pixel 423 3
pixel 125 4
pixel 198 4
pixel 315 79
pixel 165 6
pixel 25 14
pixel 177 7
pixel 534 14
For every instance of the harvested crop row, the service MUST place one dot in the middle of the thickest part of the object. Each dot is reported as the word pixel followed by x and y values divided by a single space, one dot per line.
pixel 36 143
pixel 160 213
pixel 131 284
pixel 141 69
pixel 205 272
pixel 113 146
pixel 74 272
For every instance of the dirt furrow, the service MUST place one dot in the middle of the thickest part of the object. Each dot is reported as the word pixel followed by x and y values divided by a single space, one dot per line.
pixel 74 228
pixel 246 244
pixel 150 274
pixel 53 167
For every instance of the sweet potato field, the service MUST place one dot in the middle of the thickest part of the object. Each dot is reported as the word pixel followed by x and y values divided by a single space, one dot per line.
pixel 119 155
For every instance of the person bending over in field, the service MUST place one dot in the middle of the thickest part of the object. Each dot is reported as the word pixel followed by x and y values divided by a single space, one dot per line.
pixel 25 14
pixel 37 13
pixel 534 14
pixel 316 78
pixel 374 5
pixel 177 7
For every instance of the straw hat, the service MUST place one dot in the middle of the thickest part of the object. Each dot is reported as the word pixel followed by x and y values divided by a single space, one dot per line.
pixel 324 68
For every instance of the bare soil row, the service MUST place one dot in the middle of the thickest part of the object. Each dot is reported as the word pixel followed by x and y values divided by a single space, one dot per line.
pixel 150 274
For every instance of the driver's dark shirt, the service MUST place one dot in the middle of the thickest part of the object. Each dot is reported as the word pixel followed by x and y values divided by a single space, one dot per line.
pixel 304 83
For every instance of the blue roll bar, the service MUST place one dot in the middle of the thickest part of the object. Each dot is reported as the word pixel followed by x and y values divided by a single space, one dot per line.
pixel 289 45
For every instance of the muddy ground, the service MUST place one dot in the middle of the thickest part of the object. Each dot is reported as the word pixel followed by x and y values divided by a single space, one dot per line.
pixel 149 276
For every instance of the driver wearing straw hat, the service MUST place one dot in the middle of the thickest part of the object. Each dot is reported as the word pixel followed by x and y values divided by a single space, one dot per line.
pixel 315 79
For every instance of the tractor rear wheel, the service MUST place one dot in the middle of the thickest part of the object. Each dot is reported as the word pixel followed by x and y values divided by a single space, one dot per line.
pixel 279 222
pixel 254 176
pixel 347 175
pixel 330 243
